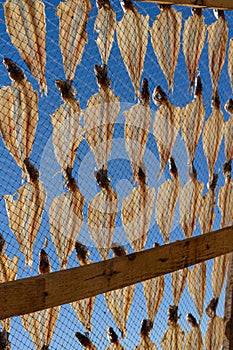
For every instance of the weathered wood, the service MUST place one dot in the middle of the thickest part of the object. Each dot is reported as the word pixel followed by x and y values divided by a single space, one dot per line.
pixel 228 309
pixel 62 287
pixel 219 4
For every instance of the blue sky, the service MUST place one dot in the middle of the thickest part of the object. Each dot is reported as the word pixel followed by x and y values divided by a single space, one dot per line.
pixel 119 168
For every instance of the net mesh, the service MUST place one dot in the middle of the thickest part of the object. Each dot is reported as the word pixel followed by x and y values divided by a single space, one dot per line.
pixel 113 140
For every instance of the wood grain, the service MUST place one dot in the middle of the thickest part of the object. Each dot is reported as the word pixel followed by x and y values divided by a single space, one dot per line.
pixel 62 287
pixel 219 4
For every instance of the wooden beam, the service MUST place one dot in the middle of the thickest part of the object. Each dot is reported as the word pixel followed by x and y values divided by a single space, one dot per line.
pixel 219 4
pixel 62 287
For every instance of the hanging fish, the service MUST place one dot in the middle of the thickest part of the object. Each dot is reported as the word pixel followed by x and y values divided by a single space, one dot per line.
pixel 82 253
pixel 4 340
pixel 132 38
pixel 146 343
pixel 168 194
pixel 194 35
pixel 8 272
pixel 73 17
pixel 230 62
pixel 153 291
pixel 19 114
pixel 165 38
pixel 217 44
pixel 66 219
pixel 105 25
pixel 193 339
pixel 25 24
pixel 85 341
pixel 166 126
pixel 83 308
pixel 136 212
pixel 137 127
pixel 228 131
pixel 41 324
pixel 173 337
pixel 190 201
pixel 206 210
pixel 67 130
pixel 193 116
pixel 120 310
pixel 25 211
pixel 114 340
pixel 212 135
pixel 197 286
pixel 100 117
pixel 102 211
pixel 225 204
pixel 44 266
pixel 215 330
pixel 178 284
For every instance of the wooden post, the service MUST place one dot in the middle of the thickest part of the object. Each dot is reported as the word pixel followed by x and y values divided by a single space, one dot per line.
pixel 51 289
pixel 218 4
pixel 228 310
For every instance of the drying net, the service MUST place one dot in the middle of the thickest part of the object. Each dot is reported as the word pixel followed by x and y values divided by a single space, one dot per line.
pixel 116 136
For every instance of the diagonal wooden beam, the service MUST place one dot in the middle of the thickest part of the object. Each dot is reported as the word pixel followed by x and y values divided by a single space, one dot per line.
pixel 219 4
pixel 41 292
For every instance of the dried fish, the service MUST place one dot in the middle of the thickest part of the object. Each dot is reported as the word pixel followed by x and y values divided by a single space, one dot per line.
pixel 41 324
pixel 178 284
pixel 73 17
pixel 194 35
pixel 137 127
pixel 66 218
pixel 197 286
pixel 190 201
pixel 100 117
pixel 206 210
pixel 119 301
pixel 83 308
pixel 4 340
pixel 19 114
pixel 173 337
pixel 228 131
pixel 114 340
pixel 8 272
pixel 85 341
pixel 25 23
pixel 230 61
pixel 217 43
pixel 132 37
pixel 136 212
pixel 165 38
pixel 212 135
pixel 82 253
pixel 146 343
pixel 166 125
pixel 105 25
pixel 24 210
pixel 211 307
pixel 214 334
pixel 193 338
pixel 225 204
pixel 67 130
pixel 102 211
pixel 193 116
pixel 44 266
pixel 153 292
pixel 168 194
